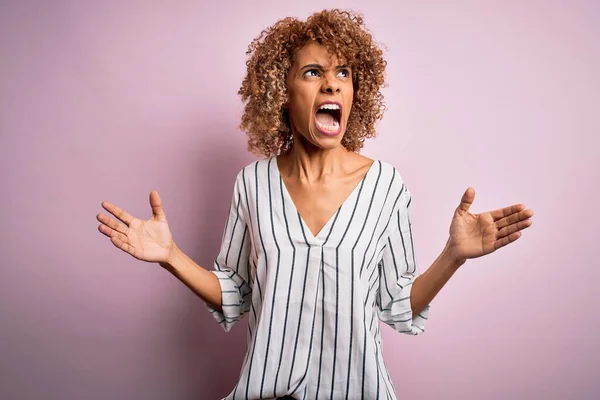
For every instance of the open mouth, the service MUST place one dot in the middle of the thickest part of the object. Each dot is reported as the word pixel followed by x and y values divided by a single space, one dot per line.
pixel 328 117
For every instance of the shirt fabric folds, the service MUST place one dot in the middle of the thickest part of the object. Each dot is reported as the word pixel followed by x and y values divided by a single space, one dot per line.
pixel 314 302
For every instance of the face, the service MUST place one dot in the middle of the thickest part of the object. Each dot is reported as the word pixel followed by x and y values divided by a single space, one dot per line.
pixel 320 97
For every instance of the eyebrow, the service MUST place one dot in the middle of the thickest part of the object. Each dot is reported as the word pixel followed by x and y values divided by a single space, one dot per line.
pixel 319 66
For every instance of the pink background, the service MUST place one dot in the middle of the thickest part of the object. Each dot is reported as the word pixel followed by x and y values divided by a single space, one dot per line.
pixel 110 100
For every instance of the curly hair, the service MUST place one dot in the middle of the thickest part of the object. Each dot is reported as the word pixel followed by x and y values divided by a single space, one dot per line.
pixel 271 55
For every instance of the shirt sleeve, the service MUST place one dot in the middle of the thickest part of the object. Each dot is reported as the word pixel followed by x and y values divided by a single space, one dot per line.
pixel 232 265
pixel 397 273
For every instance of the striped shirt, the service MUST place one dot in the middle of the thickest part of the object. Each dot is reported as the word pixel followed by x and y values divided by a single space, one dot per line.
pixel 314 302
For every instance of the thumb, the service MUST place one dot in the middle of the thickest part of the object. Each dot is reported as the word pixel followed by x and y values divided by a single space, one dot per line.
pixel 467 199
pixel 156 204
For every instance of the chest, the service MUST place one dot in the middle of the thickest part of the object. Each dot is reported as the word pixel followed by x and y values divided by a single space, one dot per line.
pixel 318 203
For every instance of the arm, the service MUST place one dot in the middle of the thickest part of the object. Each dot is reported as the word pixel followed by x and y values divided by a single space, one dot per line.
pixel 471 236
pixel 152 241
pixel 399 273
pixel 226 290
pixel 429 283
pixel 201 281
pixel 231 296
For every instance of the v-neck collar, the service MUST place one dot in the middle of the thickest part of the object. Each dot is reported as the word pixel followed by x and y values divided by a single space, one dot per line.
pixel 318 238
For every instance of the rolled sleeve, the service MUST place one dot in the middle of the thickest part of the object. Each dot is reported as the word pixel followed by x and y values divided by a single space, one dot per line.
pixel 232 267
pixel 235 299
pixel 398 271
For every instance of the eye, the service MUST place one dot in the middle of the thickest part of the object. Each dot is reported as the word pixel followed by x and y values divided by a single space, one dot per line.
pixel 311 73
pixel 344 73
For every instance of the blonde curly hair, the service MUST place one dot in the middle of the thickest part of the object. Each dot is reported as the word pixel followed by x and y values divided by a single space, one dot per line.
pixel 271 55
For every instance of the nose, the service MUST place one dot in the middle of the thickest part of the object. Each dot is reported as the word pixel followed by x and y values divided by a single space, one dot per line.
pixel 330 85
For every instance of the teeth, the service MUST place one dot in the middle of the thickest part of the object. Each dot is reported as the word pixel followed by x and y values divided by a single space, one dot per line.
pixel 330 128
pixel 329 107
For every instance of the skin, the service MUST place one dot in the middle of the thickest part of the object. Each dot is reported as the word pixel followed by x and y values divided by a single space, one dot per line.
pixel 314 78
pixel 319 173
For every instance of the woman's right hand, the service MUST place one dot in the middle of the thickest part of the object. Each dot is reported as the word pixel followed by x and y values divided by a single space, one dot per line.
pixel 148 240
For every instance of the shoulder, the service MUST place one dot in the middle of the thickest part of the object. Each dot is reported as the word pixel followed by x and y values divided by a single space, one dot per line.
pixel 252 168
pixel 253 172
pixel 390 172
pixel 393 183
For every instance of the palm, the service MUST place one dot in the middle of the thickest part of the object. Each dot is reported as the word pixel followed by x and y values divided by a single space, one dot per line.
pixel 148 240
pixel 475 235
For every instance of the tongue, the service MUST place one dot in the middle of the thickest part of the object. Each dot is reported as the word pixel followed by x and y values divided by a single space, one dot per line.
pixel 325 118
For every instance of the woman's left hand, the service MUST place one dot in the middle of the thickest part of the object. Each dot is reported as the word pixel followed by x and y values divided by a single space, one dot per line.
pixel 475 235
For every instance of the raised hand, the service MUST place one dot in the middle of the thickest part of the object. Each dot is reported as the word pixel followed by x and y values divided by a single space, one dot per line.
pixel 148 240
pixel 475 235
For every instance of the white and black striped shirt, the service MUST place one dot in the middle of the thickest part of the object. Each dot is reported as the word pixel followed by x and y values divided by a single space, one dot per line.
pixel 313 300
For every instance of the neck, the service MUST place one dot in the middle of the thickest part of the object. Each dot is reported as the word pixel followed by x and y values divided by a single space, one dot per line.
pixel 312 164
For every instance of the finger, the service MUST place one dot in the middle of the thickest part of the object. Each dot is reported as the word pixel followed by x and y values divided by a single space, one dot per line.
pixel 467 199
pixel 514 218
pixel 506 211
pixel 111 233
pixel 126 247
pixel 510 229
pixel 156 204
pixel 506 240
pixel 111 223
pixel 121 214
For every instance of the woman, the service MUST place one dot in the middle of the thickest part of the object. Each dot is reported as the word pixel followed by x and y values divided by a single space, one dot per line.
pixel 317 245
